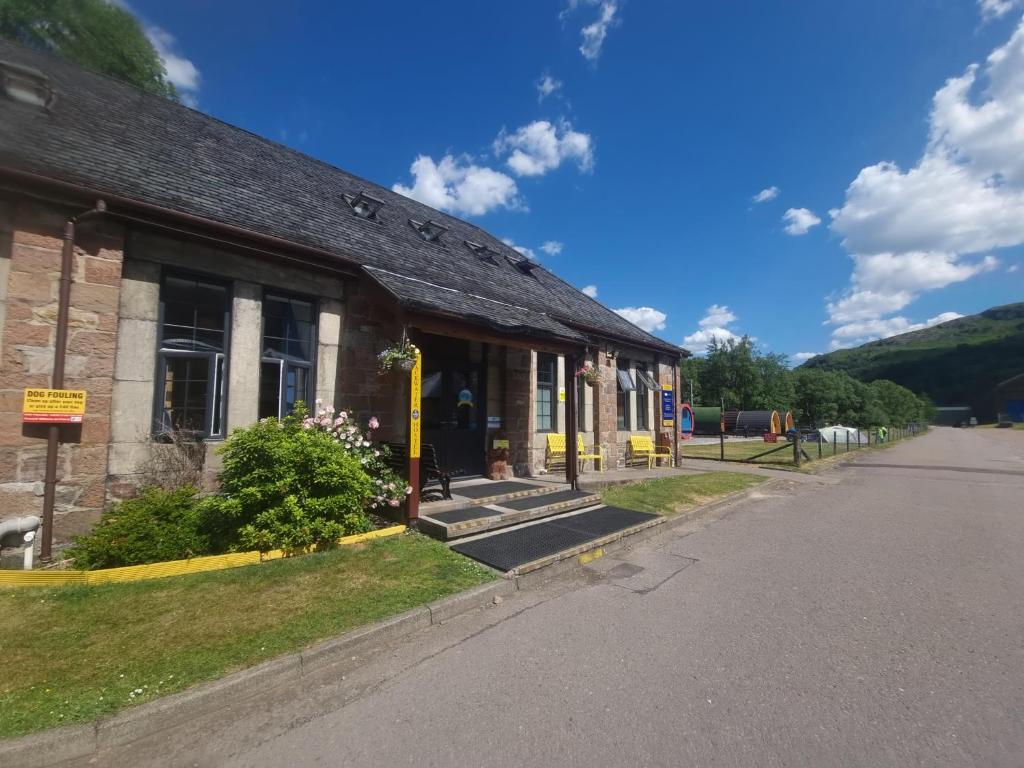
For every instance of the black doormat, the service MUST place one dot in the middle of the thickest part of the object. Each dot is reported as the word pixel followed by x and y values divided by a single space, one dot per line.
pixel 505 551
pixel 462 515
pixel 534 502
pixel 485 490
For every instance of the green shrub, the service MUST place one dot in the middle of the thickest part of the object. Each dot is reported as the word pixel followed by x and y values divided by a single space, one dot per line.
pixel 158 525
pixel 286 486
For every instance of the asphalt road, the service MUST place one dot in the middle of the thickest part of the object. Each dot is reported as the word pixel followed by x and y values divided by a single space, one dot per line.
pixel 872 618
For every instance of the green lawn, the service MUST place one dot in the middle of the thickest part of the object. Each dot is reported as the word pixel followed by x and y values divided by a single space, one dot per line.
pixel 742 450
pixel 671 495
pixel 75 653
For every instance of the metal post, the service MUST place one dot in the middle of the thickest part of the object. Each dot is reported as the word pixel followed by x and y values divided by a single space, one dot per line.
pixel 796 448
pixel 721 445
pixel 847 441
pixel 834 438
pixel 819 444
pixel 571 453
pixel 415 427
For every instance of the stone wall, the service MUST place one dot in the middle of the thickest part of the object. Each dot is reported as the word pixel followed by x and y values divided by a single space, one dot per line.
pixel 520 378
pixel 30 255
pixel 133 455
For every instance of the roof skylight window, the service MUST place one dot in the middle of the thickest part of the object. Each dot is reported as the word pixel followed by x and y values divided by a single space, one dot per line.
pixel 429 230
pixel 363 205
pixel 483 252
pixel 27 85
pixel 522 263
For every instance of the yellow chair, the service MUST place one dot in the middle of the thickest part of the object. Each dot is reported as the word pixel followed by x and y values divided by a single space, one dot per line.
pixel 596 454
pixel 642 447
pixel 555 453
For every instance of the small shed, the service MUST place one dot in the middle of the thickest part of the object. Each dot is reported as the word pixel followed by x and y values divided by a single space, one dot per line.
pixel 708 420
pixel 953 415
pixel 758 423
pixel 1010 399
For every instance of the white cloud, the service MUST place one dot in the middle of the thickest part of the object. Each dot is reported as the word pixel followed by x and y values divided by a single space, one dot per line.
pixel 593 35
pixel 994 9
pixel 648 318
pixel 916 230
pixel 804 356
pixel 181 72
pixel 590 290
pixel 852 334
pixel 1013 268
pixel 799 221
pixel 546 86
pixel 766 194
pixel 527 252
pixel 460 186
pixel 712 326
pixel 541 146
pixel 552 247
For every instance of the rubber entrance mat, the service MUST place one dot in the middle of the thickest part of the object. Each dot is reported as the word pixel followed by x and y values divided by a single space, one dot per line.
pixel 484 490
pixel 461 515
pixel 505 551
pixel 534 502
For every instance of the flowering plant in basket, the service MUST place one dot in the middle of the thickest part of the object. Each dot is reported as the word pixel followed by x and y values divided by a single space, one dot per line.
pixel 400 356
pixel 588 372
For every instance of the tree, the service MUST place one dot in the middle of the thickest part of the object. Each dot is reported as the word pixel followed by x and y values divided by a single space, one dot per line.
pixel 93 33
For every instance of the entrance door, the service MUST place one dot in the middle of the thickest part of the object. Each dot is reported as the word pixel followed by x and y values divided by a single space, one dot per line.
pixel 454 402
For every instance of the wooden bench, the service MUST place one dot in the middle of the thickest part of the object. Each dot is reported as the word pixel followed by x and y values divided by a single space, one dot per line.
pixel 397 459
pixel 642 448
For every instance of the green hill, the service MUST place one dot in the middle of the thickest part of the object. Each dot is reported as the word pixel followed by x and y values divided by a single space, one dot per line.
pixel 958 362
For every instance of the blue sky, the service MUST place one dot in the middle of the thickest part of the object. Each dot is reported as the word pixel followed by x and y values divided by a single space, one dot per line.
pixel 632 136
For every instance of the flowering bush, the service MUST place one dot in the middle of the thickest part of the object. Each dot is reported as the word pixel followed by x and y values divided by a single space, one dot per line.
pixel 400 355
pixel 588 373
pixel 388 488
pixel 287 486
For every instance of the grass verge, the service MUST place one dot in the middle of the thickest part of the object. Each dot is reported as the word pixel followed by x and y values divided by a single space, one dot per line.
pixel 742 450
pixel 672 495
pixel 76 653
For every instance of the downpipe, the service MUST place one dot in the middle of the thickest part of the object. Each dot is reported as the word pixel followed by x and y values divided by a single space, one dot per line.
pixel 23 529
pixel 59 356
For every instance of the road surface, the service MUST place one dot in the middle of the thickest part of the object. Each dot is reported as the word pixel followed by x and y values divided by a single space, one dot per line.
pixel 874 617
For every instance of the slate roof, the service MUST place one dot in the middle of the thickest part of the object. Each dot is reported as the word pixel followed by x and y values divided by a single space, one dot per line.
pixel 112 138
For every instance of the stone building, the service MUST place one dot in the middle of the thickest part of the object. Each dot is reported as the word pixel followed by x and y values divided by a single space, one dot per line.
pixel 225 277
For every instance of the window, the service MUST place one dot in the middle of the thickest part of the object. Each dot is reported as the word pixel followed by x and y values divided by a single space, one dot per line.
pixel 547 376
pixel 194 315
pixel 364 206
pixel 643 397
pixel 429 230
pixel 289 343
pixel 624 387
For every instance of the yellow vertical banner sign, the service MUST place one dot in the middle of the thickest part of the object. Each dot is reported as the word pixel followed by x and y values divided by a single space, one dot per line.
pixel 415 407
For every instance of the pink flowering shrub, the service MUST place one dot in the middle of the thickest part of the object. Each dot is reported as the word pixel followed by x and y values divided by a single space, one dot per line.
pixel 388 488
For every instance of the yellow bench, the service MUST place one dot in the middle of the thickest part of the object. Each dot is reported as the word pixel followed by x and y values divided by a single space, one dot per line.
pixel 641 447
pixel 554 455
pixel 596 454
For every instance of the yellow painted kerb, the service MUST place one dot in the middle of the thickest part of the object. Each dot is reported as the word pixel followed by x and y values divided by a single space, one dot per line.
pixel 170 568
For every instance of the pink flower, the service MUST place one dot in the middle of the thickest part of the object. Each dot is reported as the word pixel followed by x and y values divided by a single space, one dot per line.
pixel 343 414
pixel 373 424
pixel 392 502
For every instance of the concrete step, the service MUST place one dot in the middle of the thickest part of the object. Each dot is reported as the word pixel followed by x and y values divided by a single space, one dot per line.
pixel 510 510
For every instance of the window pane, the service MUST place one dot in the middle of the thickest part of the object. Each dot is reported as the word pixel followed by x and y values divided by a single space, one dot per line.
pixel 194 314
pixel 296 385
pixel 642 397
pixel 185 389
pixel 547 367
pixel 218 395
pixel 270 390
pixel 289 327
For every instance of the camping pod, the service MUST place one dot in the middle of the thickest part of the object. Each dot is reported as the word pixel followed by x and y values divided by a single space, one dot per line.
pixel 729 419
pixel 708 421
pixel 758 423
pixel 786 419
pixel 686 421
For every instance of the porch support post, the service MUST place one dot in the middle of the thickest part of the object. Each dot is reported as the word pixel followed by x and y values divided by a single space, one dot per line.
pixel 415 426
pixel 571 408
pixel 678 397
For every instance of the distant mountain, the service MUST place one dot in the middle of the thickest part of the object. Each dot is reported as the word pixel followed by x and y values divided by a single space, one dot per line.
pixel 956 363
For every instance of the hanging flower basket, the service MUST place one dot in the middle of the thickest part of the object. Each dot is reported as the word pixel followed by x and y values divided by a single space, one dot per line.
pixel 398 357
pixel 588 373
